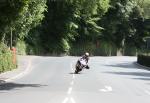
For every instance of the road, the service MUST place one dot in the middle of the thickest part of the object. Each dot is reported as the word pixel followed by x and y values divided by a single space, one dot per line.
pixel 51 80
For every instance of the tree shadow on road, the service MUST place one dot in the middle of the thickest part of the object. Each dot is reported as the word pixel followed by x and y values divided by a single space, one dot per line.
pixel 140 75
pixel 146 79
pixel 131 65
pixel 143 74
pixel 2 81
pixel 9 85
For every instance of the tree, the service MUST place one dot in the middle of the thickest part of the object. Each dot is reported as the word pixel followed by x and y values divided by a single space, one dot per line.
pixel 19 17
pixel 71 20
pixel 9 11
pixel 119 26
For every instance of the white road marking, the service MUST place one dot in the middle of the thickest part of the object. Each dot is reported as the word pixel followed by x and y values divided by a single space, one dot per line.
pixel 71 67
pixel 148 92
pixel 107 89
pixel 72 83
pixel 73 76
pixel 21 74
pixel 65 100
pixel 103 90
pixel 69 90
pixel 72 100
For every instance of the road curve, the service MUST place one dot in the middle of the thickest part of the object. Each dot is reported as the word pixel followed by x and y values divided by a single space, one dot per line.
pixel 51 80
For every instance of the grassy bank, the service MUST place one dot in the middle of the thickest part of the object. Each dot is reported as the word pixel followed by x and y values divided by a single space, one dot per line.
pixel 6 61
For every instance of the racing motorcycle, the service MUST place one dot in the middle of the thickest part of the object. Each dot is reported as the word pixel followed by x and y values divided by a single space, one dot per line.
pixel 80 65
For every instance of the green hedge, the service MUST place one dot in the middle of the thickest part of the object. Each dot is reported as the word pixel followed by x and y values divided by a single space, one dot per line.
pixel 80 48
pixel 144 60
pixel 130 50
pixel 104 49
pixel 21 47
pixel 6 63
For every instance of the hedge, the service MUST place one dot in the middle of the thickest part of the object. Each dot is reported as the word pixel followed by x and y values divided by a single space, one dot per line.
pixel 144 60
pixel 6 61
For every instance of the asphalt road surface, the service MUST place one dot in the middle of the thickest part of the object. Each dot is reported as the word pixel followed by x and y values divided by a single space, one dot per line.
pixel 51 80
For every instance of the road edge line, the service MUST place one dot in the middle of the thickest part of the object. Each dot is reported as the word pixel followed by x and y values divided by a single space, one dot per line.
pixel 22 73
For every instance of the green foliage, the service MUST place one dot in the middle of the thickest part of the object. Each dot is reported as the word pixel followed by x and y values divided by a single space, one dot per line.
pixel 145 5
pixel 124 24
pixel 6 62
pixel 68 21
pixel 90 14
pixel 144 60
pixel 130 50
pixel 61 26
pixel 103 49
pixel 80 48
pixel 30 17
pixel 103 6
pixel 19 16
pixel 106 48
pixel 9 11
pixel 21 47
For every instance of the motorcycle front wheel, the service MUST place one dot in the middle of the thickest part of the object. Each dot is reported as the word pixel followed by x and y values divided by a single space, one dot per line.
pixel 77 70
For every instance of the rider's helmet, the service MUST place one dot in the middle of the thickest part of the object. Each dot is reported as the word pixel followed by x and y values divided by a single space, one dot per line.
pixel 87 54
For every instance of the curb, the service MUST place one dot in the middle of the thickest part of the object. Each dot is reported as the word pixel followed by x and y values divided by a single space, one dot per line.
pixel 18 72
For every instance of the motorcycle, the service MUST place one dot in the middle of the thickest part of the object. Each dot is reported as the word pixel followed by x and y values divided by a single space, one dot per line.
pixel 80 65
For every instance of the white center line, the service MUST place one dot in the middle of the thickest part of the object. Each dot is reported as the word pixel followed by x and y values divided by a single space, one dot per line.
pixel 72 100
pixel 69 90
pixel 106 89
pixel 65 100
pixel 22 73
pixel 71 66
pixel 73 76
pixel 109 88
pixel 72 83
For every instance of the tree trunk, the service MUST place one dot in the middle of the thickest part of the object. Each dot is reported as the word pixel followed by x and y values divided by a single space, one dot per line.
pixel 120 52
pixel 3 38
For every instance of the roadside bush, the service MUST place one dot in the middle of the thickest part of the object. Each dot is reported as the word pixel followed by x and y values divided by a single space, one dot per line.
pixel 130 50
pixel 21 48
pixel 6 62
pixel 144 51
pixel 80 48
pixel 144 60
pixel 106 49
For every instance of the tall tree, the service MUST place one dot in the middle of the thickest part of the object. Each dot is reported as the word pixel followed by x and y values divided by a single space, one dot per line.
pixel 119 26
pixel 69 20
pixel 19 16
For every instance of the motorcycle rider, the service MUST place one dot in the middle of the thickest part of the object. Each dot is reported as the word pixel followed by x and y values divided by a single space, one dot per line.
pixel 86 58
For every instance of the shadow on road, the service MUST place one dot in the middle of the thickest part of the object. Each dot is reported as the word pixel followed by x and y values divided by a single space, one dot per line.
pixel 2 81
pixel 131 65
pixel 9 86
pixel 146 79
pixel 141 75
pixel 75 73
